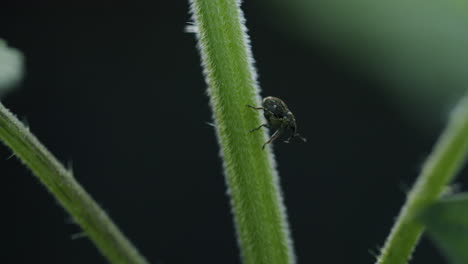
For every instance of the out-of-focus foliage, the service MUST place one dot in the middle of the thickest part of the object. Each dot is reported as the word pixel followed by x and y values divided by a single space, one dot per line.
pixel 447 225
pixel 11 67
pixel 417 49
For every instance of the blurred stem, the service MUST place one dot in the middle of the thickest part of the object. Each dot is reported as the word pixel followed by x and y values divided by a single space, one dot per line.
pixel 61 183
pixel 250 174
pixel 439 169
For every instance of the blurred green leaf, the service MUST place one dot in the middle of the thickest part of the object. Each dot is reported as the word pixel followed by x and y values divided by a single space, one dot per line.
pixel 447 225
pixel 415 49
pixel 11 67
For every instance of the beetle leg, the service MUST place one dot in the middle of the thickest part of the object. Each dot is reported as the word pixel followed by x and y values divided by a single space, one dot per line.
pixel 256 108
pixel 295 135
pixel 292 129
pixel 273 137
pixel 255 129
pixel 301 137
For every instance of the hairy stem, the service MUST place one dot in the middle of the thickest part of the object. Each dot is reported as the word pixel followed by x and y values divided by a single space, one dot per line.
pixel 252 180
pixel 61 183
pixel 439 169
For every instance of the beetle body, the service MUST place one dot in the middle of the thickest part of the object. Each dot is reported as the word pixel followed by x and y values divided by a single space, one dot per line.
pixel 278 118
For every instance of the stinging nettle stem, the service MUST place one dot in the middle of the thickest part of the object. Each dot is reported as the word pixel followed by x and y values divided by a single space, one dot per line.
pixel 62 185
pixel 444 162
pixel 252 179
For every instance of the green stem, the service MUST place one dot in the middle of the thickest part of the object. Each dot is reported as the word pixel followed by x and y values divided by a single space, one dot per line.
pixel 252 180
pixel 439 169
pixel 61 183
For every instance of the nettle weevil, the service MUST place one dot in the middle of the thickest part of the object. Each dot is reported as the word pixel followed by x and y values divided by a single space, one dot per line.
pixel 278 117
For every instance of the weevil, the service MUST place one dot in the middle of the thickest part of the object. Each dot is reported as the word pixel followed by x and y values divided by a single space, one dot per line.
pixel 278 117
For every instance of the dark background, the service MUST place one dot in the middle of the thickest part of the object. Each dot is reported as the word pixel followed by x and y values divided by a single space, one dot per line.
pixel 116 91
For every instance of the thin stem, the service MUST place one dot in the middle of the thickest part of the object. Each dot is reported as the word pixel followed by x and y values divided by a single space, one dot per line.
pixel 252 180
pixel 439 169
pixel 61 183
